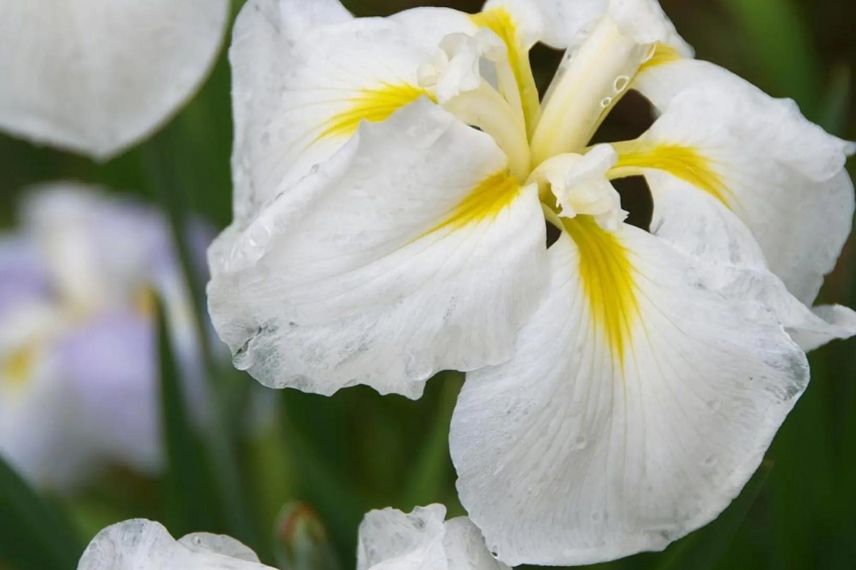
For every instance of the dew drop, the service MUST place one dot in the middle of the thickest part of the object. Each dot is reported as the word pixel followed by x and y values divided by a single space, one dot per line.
pixel 621 83
pixel 596 516
pixel 710 461
pixel 580 443
pixel 315 168
pixel 715 405
pixel 606 102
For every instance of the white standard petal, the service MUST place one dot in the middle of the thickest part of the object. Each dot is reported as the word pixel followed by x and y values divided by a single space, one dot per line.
pixel 139 544
pixel 392 540
pixel 302 84
pixel 96 78
pixel 565 25
pixel 412 251
pixel 639 402
pixel 783 176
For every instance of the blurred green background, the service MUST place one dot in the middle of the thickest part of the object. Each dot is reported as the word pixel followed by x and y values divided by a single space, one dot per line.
pixel 356 451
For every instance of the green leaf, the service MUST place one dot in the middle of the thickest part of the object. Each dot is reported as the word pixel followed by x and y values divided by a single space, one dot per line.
pixel 190 503
pixel 428 477
pixel 35 534
pixel 836 101
pixel 703 549
pixel 169 180
pixel 782 46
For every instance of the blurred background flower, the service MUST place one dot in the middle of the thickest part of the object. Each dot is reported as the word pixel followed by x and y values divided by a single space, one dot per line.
pixel 358 451
pixel 81 280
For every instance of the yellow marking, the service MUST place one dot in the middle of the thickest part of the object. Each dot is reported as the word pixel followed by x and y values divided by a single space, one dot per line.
pixel 145 302
pixel 663 54
pixel 500 22
pixel 485 202
pixel 609 281
pixel 683 162
pixel 18 367
pixel 373 105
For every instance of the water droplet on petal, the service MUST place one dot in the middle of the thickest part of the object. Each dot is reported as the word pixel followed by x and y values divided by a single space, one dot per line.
pixel 621 83
pixel 606 102
pixel 580 443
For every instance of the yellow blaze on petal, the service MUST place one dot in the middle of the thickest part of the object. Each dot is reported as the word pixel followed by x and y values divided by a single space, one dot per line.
pixel 663 54
pixel 19 365
pixel 683 162
pixel 484 202
pixel 500 22
pixel 374 105
pixel 609 281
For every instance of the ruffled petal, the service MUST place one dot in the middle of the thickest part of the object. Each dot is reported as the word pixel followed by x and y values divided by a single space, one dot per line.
pixel 565 25
pixel 698 224
pixel 392 540
pixel 139 544
pixel 638 403
pixel 303 81
pixel 783 176
pixel 412 251
pixel 97 78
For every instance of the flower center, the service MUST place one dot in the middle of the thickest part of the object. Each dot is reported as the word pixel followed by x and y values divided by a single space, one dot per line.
pixel 480 79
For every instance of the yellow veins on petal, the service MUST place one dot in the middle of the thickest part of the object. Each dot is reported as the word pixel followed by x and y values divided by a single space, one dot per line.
pixel 681 161
pixel 609 281
pixel 483 203
pixel 501 22
pixel 663 54
pixel 374 105
pixel 18 366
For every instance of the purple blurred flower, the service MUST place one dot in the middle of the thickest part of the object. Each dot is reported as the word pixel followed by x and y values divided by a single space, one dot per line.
pixel 78 356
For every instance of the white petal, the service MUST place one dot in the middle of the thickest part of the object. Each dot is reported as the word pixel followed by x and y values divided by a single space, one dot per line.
pixel 408 253
pixel 569 454
pixel 139 544
pixel 97 78
pixel 698 224
pixel 302 85
pixel 100 251
pixel 40 427
pixel 465 547
pixel 392 540
pixel 782 175
pixel 565 25
pixel 785 175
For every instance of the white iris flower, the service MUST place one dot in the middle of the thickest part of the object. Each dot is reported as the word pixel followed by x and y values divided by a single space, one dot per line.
pixel 96 77
pixel 622 385
pixel 78 354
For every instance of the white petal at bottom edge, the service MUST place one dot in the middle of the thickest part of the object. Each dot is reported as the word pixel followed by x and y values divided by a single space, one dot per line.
pixel 140 544
pixel 392 540
pixel 565 457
